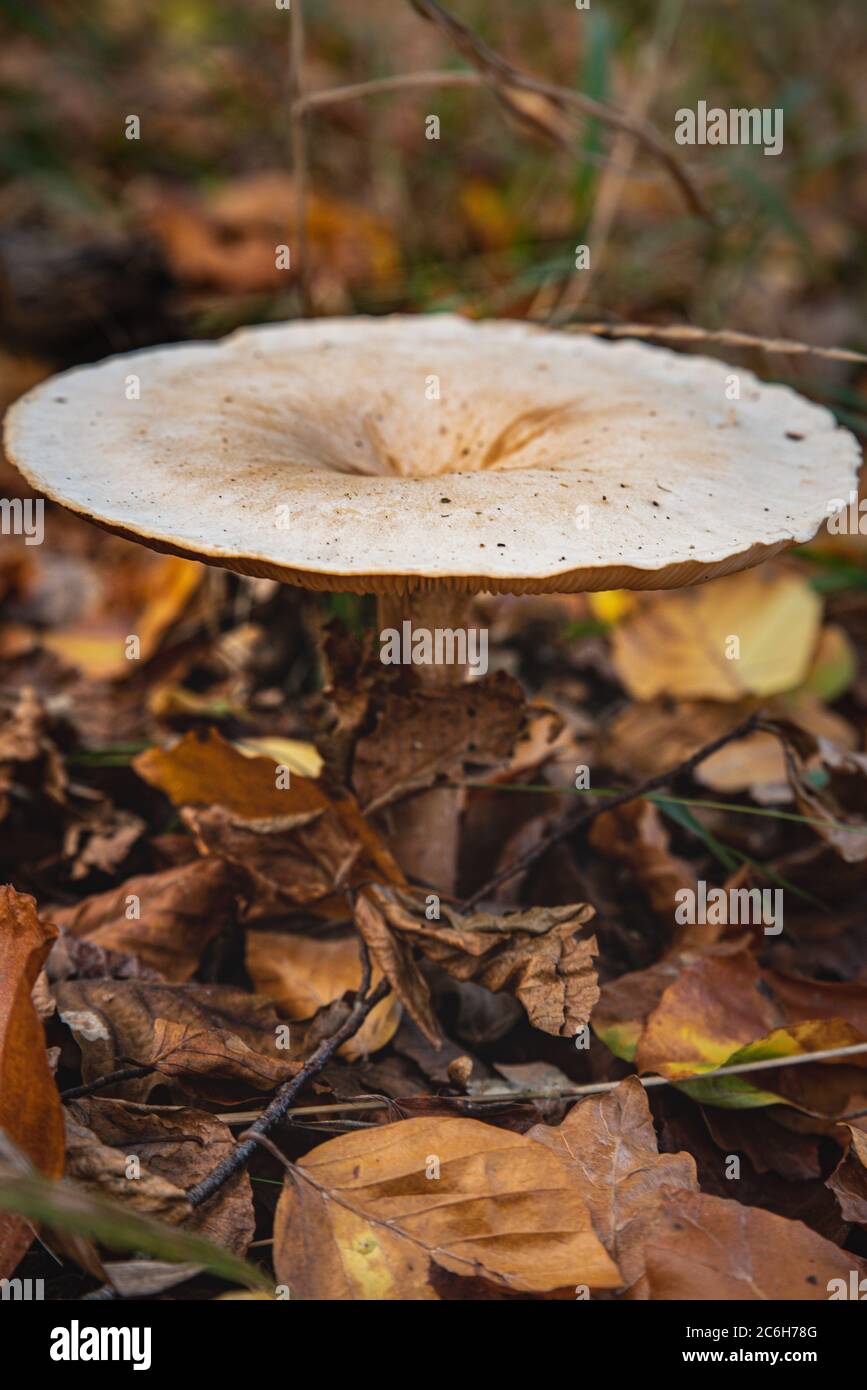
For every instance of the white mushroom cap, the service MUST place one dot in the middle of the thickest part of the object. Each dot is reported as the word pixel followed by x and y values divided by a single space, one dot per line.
pixel 399 454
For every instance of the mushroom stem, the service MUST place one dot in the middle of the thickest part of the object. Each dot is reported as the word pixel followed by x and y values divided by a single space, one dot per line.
pixel 425 828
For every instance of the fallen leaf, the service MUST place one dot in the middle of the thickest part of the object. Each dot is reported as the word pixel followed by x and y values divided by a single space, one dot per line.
pixel 707 1248
pixel 203 1059
pixel 116 1022
pixel 680 643
pixel 626 1002
pixel 797 1040
pixel 176 1147
pixel 212 774
pixel 303 974
pixel 181 911
pixel 711 1009
pixel 30 1110
pixel 534 955
pixel 293 753
pixel 848 1181
pixel 610 1143
pixel 364 1216
pixel 800 999
pixel 425 733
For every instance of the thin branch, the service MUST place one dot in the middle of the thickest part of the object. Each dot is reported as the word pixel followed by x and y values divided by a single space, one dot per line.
pixel 502 76
pixel 440 77
pixel 827 1054
pixel 687 333
pixel 597 1088
pixel 333 96
pixel 201 1191
pixel 574 822
pixel 112 1078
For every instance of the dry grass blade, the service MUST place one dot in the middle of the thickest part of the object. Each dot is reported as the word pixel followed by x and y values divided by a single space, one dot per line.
pixel 559 300
pixel 507 80
pixel 298 142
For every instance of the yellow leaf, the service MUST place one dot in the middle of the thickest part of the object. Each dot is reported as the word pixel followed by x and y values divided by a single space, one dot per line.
pixel 377 1214
pixel 303 974
pixel 294 753
pixel 98 649
pixel 611 605
pixel 753 633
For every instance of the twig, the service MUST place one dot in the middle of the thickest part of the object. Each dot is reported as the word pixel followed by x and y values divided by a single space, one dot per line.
pixel 110 1079
pixel 274 1113
pixel 332 96
pixel 502 76
pixel 573 822
pixel 298 141
pixel 687 333
pixel 438 77
pixel 599 1087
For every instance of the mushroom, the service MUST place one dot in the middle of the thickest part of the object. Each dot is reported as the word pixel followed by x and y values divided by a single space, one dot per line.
pixel 425 459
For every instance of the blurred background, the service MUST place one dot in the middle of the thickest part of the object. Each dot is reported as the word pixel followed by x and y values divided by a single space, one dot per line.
pixel 479 220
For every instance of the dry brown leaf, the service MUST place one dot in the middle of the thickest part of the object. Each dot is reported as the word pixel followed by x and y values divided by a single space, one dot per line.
pixel 838 807
pixel 634 835
pixel 212 773
pixel 181 910
pixel 801 1000
pixel 97 1166
pixel 176 1147
pixel 426 733
pixel 708 1248
pixel 30 1110
pixel 848 1181
pixel 116 1022
pixel 303 974
pixel 503 1209
pixel 534 955
pixel 610 1144
pixel 205 1058
pixel 288 861
pixel 227 242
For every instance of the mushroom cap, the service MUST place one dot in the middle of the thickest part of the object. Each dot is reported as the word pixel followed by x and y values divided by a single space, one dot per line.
pixel 405 453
